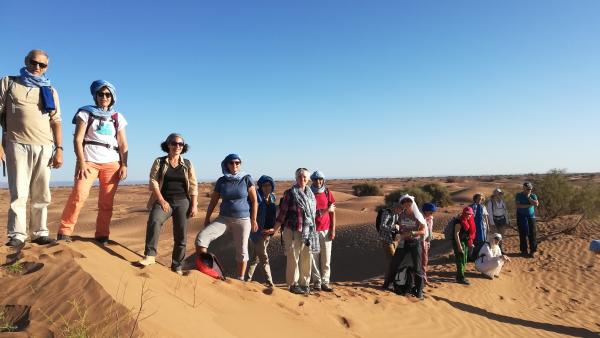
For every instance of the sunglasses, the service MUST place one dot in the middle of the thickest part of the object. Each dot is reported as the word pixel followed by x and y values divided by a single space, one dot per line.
pixel 35 63
pixel 177 144
pixel 235 162
pixel 104 94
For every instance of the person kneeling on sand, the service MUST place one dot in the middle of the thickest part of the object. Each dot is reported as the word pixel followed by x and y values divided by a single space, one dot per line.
pixel 490 258
pixel 325 225
pixel 267 212
pixel 237 214
pixel 412 231
pixel 464 234
pixel 296 215
pixel 174 193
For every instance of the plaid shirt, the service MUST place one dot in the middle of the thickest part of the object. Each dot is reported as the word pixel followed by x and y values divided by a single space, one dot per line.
pixel 288 204
pixel 387 226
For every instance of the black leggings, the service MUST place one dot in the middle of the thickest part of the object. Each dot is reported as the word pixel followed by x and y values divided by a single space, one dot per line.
pixel 413 248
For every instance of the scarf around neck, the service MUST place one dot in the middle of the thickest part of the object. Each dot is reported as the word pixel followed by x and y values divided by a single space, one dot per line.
pixel 43 83
pixel 229 176
pixel 305 199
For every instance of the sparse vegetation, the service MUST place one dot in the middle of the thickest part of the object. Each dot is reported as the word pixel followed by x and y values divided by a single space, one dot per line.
pixel 421 196
pixel 6 324
pixel 15 268
pixel 439 194
pixel 366 189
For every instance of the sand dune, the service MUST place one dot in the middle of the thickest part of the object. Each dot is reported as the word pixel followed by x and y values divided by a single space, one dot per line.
pixel 552 295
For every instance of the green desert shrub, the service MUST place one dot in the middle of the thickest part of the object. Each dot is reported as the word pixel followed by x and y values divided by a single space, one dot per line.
pixel 366 189
pixel 439 194
pixel 421 197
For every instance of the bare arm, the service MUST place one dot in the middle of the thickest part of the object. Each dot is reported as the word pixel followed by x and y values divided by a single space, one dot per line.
pixel 123 153
pixel 253 207
pixel 214 199
pixel 457 237
pixel 57 159
pixel 81 170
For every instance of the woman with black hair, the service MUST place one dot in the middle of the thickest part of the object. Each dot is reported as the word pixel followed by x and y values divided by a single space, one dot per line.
pixel 174 193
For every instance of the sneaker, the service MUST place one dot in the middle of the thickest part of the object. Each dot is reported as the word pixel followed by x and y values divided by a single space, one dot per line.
pixel 148 260
pixel 43 240
pixel 316 287
pixel 305 290
pixel 463 281
pixel 177 270
pixel 296 290
pixel 269 284
pixel 102 240
pixel 61 237
pixel 15 243
pixel 326 288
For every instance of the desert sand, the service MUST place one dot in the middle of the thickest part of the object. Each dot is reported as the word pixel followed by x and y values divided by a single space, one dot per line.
pixel 66 286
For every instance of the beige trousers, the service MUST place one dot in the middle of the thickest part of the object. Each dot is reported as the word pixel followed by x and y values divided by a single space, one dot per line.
pixel 297 270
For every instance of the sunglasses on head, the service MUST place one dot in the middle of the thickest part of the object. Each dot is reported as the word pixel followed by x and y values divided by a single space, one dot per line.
pixel 104 94
pixel 177 144
pixel 36 63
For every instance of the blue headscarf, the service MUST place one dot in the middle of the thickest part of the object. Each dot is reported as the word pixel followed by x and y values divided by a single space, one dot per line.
pixel 317 174
pixel 265 179
pixel 43 83
pixel 94 109
pixel 265 217
pixel 225 170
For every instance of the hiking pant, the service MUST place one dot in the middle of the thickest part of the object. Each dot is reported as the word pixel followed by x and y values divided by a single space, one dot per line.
pixel 260 255
pixel 414 249
pixel 321 261
pixel 240 229
pixel 107 174
pixel 157 218
pixel 461 259
pixel 425 245
pixel 28 177
pixel 297 269
pixel 489 266
pixel 527 231
pixel 388 253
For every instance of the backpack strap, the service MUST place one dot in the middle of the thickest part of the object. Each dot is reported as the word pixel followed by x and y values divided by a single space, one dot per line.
pixel 114 118
pixel 11 83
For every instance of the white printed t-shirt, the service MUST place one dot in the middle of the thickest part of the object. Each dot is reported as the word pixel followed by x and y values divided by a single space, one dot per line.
pixel 104 132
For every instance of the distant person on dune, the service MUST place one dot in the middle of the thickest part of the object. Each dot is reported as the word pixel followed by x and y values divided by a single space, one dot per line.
pixel 32 142
pixel 174 193
pixel 490 258
pixel 296 215
pixel 428 210
pixel 101 150
pixel 238 211
pixel 481 218
pixel 325 219
pixel 526 204
pixel 499 212
pixel 267 212
pixel 464 235
pixel 412 229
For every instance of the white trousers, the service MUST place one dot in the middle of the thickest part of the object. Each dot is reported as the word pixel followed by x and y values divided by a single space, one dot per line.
pixel 28 177
pixel 321 262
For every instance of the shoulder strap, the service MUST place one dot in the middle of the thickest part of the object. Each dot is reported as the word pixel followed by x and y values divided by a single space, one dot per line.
pixel 327 195
pixel 115 121
pixel 11 82
pixel 161 166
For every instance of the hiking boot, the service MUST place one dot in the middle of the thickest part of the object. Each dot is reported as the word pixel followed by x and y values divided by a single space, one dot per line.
pixel 269 284
pixel 43 240
pixel 102 240
pixel 148 260
pixel 419 295
pixel 61 237
pixel 316 287
pixel 326 288
pixel 15 243
pixel 296 290
pixel 305 290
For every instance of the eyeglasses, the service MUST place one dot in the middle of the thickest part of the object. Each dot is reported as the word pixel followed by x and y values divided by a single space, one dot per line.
pixel 36 63
pixel 235 162
pixel 177 144
pixel 104 94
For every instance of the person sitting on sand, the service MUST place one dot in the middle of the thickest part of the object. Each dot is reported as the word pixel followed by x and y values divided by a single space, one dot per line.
pixel 325 219
pixel 497 207
pixel 428 210
pixel 296 215
pixel 490 258
pixel 464 234
pixel 237 214
pixel 101 150
pixel 174 194
pixel 526 203
pixel 481 219
pixel 412 230
pixel 267 212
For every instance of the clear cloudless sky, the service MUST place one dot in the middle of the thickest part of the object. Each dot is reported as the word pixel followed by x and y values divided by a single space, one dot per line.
pixel 354 88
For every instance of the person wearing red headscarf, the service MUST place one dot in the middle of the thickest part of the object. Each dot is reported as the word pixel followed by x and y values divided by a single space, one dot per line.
pixel 464 234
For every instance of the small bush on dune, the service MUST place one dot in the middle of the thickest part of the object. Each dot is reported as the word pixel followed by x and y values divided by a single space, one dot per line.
pixel 439 194
pixel 366 189
pixel 421 197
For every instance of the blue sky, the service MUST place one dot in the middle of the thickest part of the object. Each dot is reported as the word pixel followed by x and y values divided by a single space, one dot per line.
pixel 354 88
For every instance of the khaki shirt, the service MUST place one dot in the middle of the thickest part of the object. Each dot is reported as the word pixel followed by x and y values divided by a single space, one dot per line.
pixel 26 120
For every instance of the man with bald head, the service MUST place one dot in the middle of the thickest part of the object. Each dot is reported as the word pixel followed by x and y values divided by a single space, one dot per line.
pixel 32 144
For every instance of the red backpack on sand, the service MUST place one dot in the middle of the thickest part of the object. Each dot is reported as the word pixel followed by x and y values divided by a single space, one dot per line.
pixel 208 263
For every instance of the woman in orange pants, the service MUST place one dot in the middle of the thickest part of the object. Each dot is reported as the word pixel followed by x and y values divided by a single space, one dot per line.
pixel 101 150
